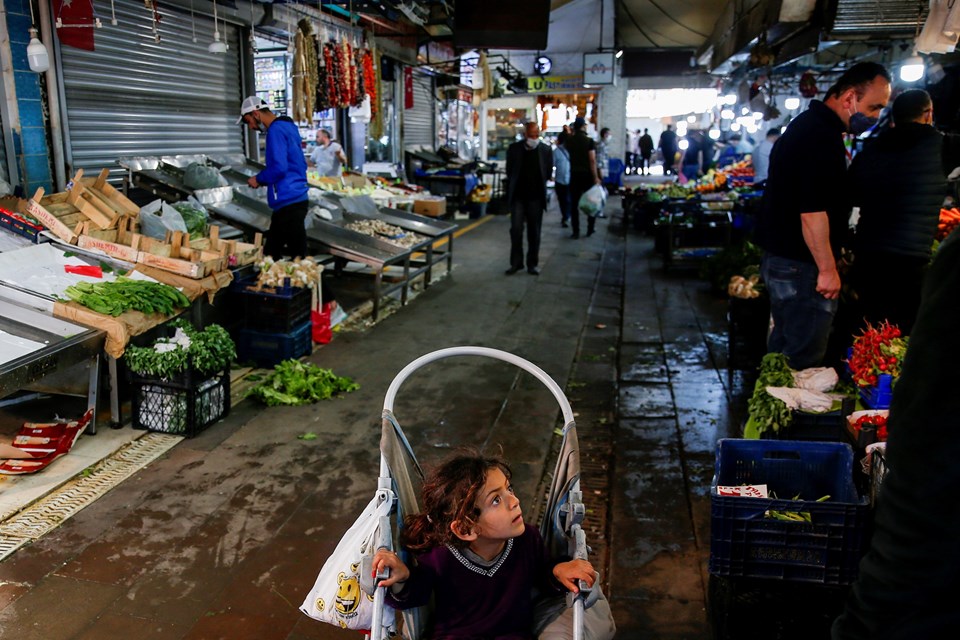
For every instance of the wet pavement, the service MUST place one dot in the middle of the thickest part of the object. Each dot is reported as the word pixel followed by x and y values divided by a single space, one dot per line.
pixel 224 535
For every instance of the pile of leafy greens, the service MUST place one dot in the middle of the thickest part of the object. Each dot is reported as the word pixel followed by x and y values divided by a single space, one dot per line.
pixel 296 383
pixel 207 352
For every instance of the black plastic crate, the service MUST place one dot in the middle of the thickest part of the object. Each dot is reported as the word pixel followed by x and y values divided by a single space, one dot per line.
pixel 748 321
pixel 271 310
pixel 184 406
pixel 745 543
pixel 817 427
pixel 268 349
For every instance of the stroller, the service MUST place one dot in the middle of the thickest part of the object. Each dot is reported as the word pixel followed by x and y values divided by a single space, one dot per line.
pixel 399 489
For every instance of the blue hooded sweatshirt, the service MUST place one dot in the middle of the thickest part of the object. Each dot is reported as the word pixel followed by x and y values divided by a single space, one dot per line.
pixel 286 172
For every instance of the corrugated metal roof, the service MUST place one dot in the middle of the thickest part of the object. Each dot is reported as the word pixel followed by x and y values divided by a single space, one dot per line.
pixel 879 17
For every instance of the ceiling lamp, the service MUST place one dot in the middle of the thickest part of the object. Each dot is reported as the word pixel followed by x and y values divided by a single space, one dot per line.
pixel 912 69
pixel 217 46
pixel 714 134
pixel 691 119
pixel 37 56
pixel 727 114
pixel 791 104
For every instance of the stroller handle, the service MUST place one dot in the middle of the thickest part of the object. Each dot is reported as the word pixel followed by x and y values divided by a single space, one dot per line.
pixel 496 354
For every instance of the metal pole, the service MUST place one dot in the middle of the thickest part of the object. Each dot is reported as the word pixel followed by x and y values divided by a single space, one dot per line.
pixel 9 110
pixel 53 100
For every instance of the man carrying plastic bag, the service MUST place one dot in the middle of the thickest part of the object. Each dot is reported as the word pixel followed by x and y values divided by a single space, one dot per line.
pixel 592 202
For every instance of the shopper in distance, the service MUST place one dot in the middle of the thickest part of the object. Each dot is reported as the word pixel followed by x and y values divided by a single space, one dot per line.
pixel 328 156
pixel 529 166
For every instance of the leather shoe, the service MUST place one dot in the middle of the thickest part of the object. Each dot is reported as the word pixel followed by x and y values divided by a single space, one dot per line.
pixel 590 233
pixel 564 225
pixel 575 235
pixel 534 271
pixel 511 271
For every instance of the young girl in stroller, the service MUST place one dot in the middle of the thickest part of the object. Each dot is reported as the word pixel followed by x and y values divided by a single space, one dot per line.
pixel 475 555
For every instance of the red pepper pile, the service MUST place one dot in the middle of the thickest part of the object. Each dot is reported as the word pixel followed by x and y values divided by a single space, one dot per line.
pixel 876 351
pixel 880 422
pixel 949 220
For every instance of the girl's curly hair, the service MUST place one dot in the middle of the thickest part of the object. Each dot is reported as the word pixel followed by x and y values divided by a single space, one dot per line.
pixel 450 494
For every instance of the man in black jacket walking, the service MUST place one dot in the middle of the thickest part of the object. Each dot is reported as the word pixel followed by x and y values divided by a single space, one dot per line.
pixel 899 182
pixel 529 166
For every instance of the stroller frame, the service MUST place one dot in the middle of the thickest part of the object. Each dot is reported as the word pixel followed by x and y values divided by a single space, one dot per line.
pixel 565 510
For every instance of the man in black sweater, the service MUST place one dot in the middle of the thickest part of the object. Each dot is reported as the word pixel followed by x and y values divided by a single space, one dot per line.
pixel 899 182
pixel 529 166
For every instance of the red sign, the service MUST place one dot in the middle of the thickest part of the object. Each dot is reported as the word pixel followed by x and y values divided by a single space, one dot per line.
pixel 77 20
pixel 408 88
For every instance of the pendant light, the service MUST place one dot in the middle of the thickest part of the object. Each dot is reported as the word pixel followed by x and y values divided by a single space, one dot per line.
pixel 217 46
pixel 912 69
pixel 37 56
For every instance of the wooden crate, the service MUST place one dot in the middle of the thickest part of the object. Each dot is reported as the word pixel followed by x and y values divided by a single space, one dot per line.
pixel 89 207
pixel 120 242
pixel 237 253
pixel 177 256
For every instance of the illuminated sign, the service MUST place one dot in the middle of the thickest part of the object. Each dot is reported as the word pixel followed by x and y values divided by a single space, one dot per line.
pixel 598 68
pixel 554 84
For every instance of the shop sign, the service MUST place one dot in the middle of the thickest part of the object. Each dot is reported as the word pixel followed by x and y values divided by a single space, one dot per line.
pixel 469 63
pixel 598 68
pixel 553 84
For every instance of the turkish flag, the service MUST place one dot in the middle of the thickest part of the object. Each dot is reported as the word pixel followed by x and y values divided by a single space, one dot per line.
pixel 72 13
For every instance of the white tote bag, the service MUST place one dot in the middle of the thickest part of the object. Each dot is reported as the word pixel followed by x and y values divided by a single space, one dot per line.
pixel 336 597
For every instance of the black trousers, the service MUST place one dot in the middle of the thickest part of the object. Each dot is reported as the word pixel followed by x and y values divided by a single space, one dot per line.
pixel 286 236
pixel 580 183
pixel 888 287
pixel 529 213
pixel 563 200
pixel 645 162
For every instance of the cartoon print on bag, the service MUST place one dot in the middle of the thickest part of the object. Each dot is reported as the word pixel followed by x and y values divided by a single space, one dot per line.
pixel 321 605
pixel 348 594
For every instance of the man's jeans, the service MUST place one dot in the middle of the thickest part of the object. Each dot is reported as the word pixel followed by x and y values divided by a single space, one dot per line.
pixel 801 317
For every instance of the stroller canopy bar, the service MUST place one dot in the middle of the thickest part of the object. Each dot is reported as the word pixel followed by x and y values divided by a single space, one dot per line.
pixel 526 365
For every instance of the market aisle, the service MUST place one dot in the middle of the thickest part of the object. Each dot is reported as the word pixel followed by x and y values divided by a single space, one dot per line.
pixel 223 536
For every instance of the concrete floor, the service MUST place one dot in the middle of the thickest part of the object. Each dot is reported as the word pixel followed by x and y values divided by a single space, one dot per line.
pixel 223 536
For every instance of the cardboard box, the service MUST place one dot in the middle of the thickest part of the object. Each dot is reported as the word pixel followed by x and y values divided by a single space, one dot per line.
pixel 430 206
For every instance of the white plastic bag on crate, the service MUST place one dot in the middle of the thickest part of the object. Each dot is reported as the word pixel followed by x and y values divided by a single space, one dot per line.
pixel 593 200
pixel 336 597
pixel 157 217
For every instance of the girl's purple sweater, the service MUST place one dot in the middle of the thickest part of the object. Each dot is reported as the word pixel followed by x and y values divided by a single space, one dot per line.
pixel 474 602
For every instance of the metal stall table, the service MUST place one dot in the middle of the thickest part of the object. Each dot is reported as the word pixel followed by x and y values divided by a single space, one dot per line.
pixel 56 356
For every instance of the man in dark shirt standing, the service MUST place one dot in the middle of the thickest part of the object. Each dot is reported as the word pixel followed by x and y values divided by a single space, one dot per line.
pixel 583 172
pixel 529 166
pixel 668 146
pixel 645 146
pixel 805 212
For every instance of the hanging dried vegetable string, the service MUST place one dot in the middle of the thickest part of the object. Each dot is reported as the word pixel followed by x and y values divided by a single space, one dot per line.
pixel 298 77
pixel 323 72
pixel 376 113
pixel 310 55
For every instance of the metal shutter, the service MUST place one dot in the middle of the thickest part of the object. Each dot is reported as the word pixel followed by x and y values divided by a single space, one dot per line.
pixel 136 97
pixel 420 123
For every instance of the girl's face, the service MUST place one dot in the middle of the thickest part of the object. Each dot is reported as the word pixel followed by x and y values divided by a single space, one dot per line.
pixel 500 515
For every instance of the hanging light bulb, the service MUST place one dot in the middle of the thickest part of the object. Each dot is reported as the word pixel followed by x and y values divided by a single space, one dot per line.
pixel 37 56
pixel 912 69
pixel 791 103
pixel 217 46
pixel 113 14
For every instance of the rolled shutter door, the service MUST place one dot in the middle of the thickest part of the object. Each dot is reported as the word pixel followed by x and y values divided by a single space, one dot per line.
pixel 420 122
pixel 134 96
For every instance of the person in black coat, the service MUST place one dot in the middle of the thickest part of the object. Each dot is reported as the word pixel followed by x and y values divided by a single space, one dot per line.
pixel 899 182
pixel 910 576
pixel 668 146
pixel 529 166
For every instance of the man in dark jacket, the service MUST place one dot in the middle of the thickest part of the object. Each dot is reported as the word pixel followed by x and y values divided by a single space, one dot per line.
pixel 645 147
pixel 668 146
pixel 911 574
pixel 899 182
pixel 529 166
pixel 285 178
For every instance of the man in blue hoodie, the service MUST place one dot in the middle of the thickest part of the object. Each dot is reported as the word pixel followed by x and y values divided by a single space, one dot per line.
pixel 285 177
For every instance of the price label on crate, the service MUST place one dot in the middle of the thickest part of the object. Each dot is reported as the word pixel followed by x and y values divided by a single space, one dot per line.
pixel 746 491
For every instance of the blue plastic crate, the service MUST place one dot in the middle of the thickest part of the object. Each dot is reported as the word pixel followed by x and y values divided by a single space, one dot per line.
pixel 268 349
pixel 880 395
pixel 744 543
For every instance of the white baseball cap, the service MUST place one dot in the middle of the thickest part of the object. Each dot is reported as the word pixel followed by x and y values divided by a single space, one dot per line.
pixel 251 104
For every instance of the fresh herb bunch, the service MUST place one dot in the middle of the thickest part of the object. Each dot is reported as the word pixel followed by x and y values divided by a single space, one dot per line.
pixel 768 412
pixel 124 294
pixel 206 351
pixel 878 350
pixel 296 383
